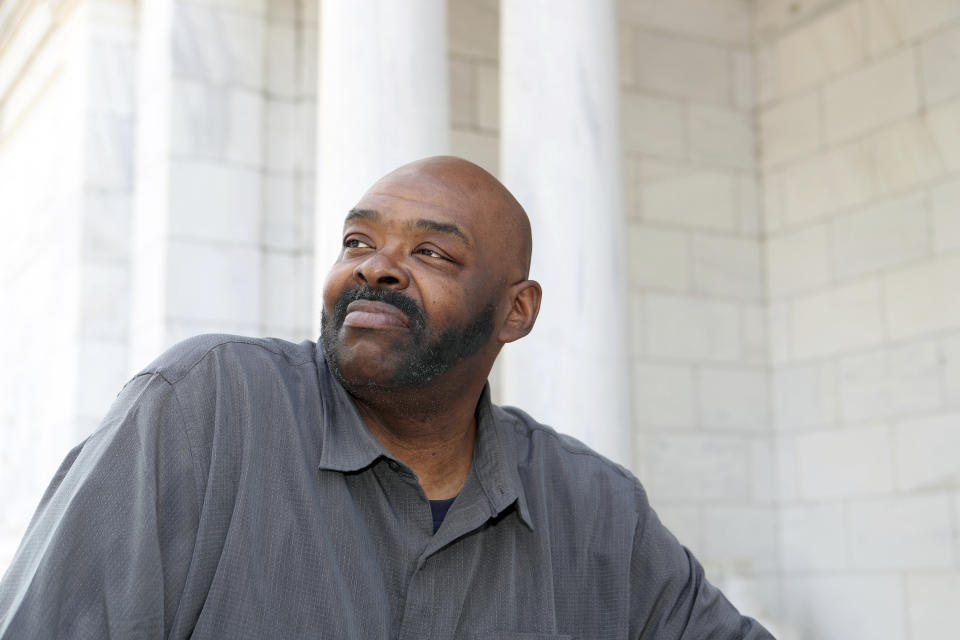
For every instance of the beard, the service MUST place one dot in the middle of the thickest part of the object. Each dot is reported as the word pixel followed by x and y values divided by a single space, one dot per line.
pixel 424 357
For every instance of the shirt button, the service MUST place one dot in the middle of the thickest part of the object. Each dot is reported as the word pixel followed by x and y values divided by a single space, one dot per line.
pixel 393 465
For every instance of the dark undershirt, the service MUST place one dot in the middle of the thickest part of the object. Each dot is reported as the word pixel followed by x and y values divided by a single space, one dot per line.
pixel 439 509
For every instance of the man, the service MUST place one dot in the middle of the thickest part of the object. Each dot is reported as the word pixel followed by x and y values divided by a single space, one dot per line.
pixel 365 488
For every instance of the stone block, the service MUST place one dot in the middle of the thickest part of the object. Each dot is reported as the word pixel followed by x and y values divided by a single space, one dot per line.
pixel 480 148
pixel 945 203
pixel 804 396
pixel 940 57
pixel 764 471
pixel 213 201
pixel 663 395
pixel 290 136
pixel 103 370
pixel 845 606
pixel 839 319
pixel 797 261
pixel 880 237
pixel 950 351
pixel 911 532
pixel 744 79
pixel 772 194
pixel 218 47
pixel 780 331
pixel 891 23
pixel 284 137
pixel 637 323
pixel 212 284
pixel 741 540
pixel 748 205
pixel 790 128
pixel 923 298
pixel 943 123
pixel 693 198
pixel 653 126
pixel 487 96
pixel 698 468
pixel 280 228
pixel 722 20
pixel 281 60
pixel 927 452
pixel 308 57
pixel 108 152
pixel 767 72
pixel 788 470
pixel 907 154
pixel 473 29
pixel 720 136
pixel 461 93
pixel 820 49
pixel 733 398
pixel 659 258
pixel 845 463
pixel 877 94
pixel 753 320
pixel 813 538
pixel 837 178
pixel 893 381
pixel 692 328
pixel 107 226
pixel 727 266
pixel 111 78
pixel 931 599
pixel 104 301
pixel 681 68
pixel 216 123
pixel 286 283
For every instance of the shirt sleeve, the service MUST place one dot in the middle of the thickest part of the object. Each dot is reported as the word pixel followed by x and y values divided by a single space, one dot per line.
pixel 670 596
pixel 107 552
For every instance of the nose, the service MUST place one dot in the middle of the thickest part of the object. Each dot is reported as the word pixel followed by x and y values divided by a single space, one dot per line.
pixel 381 270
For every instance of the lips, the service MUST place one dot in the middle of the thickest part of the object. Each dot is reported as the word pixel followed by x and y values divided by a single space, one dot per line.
pixel 372 314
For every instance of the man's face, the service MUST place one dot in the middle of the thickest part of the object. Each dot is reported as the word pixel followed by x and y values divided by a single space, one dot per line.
pixel 412 294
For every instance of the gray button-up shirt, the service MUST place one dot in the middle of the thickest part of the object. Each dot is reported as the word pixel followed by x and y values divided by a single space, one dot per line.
pixel 234 492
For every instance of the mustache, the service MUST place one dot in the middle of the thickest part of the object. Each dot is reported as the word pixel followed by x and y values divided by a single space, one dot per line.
pixel 402 302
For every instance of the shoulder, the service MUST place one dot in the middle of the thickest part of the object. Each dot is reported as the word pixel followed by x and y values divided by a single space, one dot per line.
pixel 236 353
pixel 566 469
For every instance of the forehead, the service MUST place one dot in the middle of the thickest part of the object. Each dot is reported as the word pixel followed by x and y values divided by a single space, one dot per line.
pixel 409 199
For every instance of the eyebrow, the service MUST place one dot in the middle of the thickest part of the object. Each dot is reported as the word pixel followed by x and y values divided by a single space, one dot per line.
pixel 424 224
pixel 447 228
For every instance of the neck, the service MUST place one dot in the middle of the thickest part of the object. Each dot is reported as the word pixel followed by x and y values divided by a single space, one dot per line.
pixel 431 429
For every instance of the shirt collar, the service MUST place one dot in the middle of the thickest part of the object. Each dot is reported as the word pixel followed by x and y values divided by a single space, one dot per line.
pixel 348 444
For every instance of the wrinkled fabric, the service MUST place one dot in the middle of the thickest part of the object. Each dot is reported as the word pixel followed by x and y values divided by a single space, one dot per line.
pixel 233 491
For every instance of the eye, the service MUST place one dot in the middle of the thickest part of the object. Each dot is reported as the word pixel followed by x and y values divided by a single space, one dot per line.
pixel 430 253
pixel 355 243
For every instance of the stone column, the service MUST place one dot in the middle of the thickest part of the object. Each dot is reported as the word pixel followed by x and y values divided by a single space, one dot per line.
pixel 560 156
pixel 383 103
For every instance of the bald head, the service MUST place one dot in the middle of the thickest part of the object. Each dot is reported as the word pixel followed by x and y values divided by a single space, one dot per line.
pixel 472 190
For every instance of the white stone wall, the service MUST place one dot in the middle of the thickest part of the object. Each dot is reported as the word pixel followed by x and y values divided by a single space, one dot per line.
pixel 225 191
pixel 700 386
pixel 859 115
pixel 474 40
pixel 65 178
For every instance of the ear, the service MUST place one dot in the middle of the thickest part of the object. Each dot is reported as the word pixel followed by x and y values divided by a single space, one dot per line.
pixel 524 307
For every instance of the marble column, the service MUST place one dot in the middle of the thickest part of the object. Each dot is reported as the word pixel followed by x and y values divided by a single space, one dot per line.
pixel 383 103
pixel 560 156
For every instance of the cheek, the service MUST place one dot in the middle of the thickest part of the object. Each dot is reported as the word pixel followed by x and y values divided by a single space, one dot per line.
pixel 338 279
